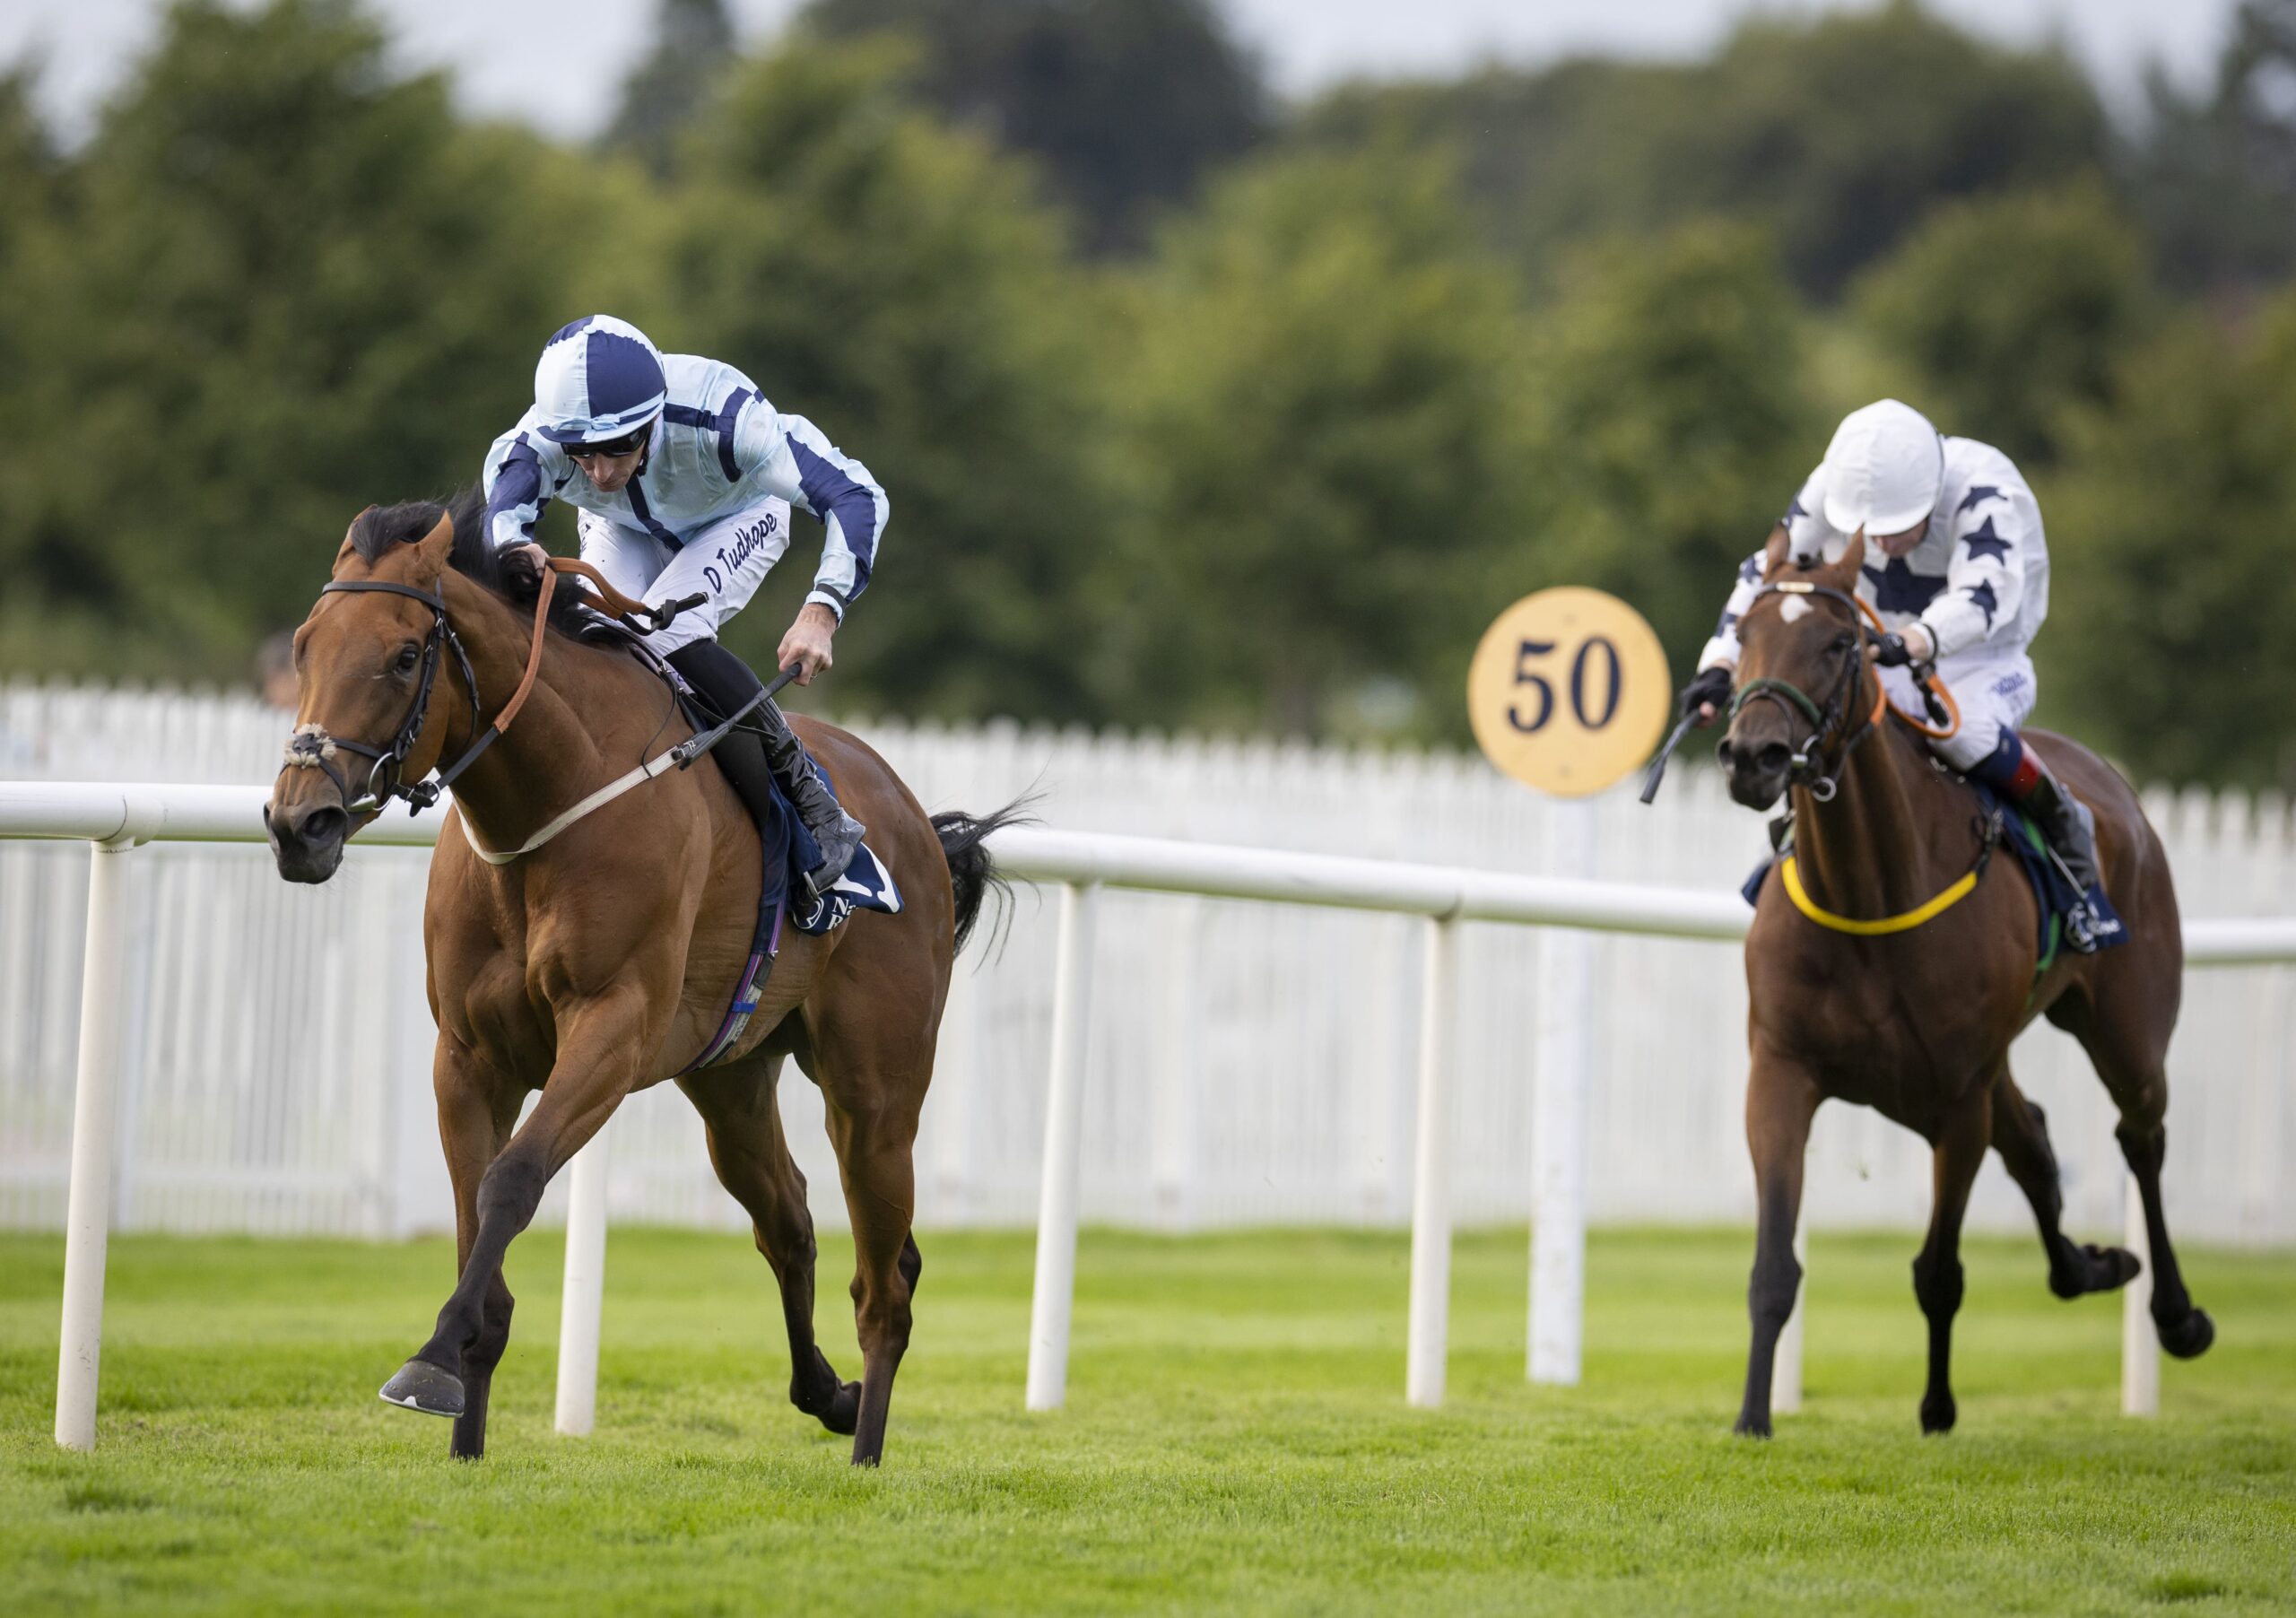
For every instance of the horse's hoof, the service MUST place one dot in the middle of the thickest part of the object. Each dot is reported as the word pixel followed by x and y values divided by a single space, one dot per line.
pixel 2189 1337
pixel 1752 1427
pixel 839 1409
pixel 844 1411
pixel 422 1386
pixel 2094 1269
pixel 1938 1414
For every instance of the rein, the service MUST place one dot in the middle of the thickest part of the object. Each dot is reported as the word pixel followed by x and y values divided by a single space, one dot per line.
pixel 311 748
pixel 1809 770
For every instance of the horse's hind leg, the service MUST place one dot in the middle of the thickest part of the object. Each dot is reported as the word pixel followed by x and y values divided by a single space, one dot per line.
pixel 2133 1066
pixel 1958 1151
pixel 2021 1135
pixel 1781 1099
pixel 752 1156
pixel 873 1070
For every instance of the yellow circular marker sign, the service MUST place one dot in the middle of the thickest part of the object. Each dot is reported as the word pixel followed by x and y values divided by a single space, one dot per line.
pixel 1568 690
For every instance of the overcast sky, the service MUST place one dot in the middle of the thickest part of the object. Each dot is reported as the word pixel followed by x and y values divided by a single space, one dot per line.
pixel 557 63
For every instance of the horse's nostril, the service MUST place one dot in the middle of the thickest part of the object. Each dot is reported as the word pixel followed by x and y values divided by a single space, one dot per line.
pixel 323 826
pixel 1774 756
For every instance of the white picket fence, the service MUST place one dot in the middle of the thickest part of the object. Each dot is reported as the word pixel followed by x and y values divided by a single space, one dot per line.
pixel 1248 1063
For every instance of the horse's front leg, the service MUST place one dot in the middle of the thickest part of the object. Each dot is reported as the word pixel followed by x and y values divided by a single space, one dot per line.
pixel 478 1108
pixel 604 1044
pixel 1958 1150
pixel 1781 1099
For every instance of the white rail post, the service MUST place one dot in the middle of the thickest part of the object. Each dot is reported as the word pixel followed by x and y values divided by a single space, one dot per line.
pixel 583 1303
pixel 1785 1372
pixel 1431 1182
pixel 1054 1300
pixel 95 1120
pixel 2140 1346
pixel 1559 1082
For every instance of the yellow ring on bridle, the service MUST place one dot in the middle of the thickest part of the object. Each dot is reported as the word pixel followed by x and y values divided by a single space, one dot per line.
pixel 1904 923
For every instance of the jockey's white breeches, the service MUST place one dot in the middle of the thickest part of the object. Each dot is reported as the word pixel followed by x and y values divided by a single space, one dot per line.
pixel 1995 694
pixel 723 563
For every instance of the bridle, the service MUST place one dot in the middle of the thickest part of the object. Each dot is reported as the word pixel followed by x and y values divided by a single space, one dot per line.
pixel 1809 767
pixel 312 748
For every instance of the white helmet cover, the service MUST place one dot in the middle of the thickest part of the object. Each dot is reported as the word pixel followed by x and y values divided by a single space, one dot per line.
pixel 599 378
pixel 1883 470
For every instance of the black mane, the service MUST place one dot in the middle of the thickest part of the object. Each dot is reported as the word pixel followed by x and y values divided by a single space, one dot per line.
pixel 380 528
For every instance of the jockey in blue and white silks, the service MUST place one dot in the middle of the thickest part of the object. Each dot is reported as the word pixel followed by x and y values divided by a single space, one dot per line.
pixel 1957 567
pixel 685 476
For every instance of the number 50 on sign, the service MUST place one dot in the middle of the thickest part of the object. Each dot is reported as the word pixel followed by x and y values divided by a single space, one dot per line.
pixel 1568 690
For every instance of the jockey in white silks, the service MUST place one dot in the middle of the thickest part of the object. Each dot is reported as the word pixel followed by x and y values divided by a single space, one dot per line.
pixel 1957 567
pixel 683 476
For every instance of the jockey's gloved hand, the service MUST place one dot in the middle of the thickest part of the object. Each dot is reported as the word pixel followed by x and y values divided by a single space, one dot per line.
pixel 1710 687
pixel 523 566
pixel 1894 651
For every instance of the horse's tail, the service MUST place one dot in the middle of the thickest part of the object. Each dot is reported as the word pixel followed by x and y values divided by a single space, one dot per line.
pixel 972 872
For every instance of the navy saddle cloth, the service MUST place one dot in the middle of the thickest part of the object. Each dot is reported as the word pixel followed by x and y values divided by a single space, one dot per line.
pixel 2058 897
pixel 790 852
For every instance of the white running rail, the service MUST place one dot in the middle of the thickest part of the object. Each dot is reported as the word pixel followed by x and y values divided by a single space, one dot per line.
pixel 116 818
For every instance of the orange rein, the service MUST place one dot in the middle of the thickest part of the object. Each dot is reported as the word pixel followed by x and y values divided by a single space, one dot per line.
pixel 1881 694
pixel 614 600
pixel 533 654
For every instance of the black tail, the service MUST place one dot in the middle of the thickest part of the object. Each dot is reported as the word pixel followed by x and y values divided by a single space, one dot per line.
pixel 972 872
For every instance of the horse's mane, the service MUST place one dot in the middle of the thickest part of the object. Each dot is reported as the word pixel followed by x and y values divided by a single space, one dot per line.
pixel 473 556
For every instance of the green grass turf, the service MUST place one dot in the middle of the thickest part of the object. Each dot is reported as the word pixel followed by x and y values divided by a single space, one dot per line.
pixel 1235 1439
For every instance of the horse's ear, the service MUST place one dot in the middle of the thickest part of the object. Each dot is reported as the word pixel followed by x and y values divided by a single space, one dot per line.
pixel 1852 559
pixel 1774 554
pixel 437 546
pixel 349 546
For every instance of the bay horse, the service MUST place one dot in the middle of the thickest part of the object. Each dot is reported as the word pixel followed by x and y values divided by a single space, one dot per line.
pixel 603 962
pixel 1915 1018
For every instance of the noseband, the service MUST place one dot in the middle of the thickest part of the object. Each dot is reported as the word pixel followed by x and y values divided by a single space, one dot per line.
pixel 312 748
pixel 1808 767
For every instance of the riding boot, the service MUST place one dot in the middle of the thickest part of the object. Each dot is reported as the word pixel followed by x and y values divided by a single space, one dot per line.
pixel 764 742
pixel 836 833
pixel 2071 827
pixel 724 682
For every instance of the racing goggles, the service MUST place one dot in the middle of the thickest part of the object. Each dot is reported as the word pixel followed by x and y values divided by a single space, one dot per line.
pixel 630 443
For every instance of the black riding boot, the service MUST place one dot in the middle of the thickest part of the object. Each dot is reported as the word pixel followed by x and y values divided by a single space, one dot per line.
pixel 2071 827
pixel 747 755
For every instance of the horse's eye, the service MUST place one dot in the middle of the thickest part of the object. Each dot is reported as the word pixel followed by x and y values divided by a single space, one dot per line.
pixel 409 656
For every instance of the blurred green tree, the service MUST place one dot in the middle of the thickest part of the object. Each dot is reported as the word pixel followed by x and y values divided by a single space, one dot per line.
pixel 1125 103
pixel 1670 421
pixel 1837 133
pixel 2171 587
pixel 2010 309
pixel 1316 412
pixel 2215 176
pixel 894 280
pixel 693 45
pixel 291 284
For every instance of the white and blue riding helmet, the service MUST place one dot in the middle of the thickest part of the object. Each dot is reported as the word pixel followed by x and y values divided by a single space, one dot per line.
pixel 599 379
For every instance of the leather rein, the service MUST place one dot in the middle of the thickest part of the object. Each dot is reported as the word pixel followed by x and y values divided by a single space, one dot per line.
pixel 1809 767
pixel 312 748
